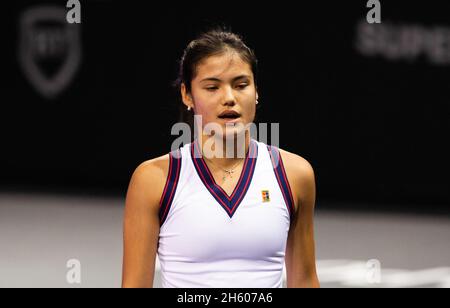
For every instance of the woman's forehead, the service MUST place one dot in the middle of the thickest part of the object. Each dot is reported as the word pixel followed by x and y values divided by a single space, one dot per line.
pixel 225 66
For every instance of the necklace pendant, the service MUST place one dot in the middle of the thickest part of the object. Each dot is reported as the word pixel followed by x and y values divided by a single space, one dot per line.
pixel 228 173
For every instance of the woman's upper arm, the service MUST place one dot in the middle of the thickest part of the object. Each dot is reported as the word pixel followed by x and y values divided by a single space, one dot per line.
pixel 300 251
pixel 141 223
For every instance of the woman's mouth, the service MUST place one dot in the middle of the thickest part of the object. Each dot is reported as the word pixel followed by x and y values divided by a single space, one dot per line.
pixel 230 116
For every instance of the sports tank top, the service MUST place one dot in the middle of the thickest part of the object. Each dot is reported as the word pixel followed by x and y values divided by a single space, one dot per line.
pixel 209 239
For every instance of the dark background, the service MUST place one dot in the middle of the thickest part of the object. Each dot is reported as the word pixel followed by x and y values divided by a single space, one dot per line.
pixel 375 129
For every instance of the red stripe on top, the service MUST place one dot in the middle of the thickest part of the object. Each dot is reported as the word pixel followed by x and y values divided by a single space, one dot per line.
pixel 287 182
pixel 280 183
pixel 173 188
pixel 167 181
pixel 245 187
pixel 238 184
pixel 206 183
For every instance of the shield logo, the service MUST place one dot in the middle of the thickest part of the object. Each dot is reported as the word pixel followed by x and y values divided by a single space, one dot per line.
pixel 49 49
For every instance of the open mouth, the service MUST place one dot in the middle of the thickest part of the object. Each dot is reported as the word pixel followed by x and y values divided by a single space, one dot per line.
pixel 229 115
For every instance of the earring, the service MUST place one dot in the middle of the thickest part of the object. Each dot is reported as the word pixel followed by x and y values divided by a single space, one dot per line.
pixel 189 108
pixel 257 102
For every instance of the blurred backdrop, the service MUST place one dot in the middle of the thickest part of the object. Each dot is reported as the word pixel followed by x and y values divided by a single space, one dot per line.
pixel 367 105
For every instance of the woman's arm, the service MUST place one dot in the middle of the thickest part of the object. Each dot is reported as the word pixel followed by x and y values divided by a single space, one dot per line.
pixel 141 223
pixel 300 250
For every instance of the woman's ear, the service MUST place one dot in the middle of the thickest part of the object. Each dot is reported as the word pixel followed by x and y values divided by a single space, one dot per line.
pixel 186 97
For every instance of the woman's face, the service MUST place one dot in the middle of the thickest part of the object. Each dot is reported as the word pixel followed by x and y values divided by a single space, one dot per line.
pixel 223 83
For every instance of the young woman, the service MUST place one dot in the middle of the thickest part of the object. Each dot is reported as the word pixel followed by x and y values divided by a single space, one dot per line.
pixel 216 218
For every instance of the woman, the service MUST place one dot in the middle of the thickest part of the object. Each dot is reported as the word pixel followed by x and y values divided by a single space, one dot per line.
pixel 221 214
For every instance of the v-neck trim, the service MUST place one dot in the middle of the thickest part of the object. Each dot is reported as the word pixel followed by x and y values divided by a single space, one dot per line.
pixel 232 202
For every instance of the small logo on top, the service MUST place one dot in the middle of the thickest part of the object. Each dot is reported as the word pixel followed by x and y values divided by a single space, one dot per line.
pixel 265 196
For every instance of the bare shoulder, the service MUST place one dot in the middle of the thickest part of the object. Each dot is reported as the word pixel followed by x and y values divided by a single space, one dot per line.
pixel 155 168
pixel 296 164
pixel 300 175
pixel 148 181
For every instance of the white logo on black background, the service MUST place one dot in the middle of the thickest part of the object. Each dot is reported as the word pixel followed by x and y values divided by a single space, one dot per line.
pixel 49 50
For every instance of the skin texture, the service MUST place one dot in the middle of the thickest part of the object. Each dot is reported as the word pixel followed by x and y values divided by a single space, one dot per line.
pixel 222 82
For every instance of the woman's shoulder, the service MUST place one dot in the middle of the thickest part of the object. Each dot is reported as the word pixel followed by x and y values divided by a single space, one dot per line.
pixel 296 163
pixel 157 169
pixel 154 169
pixel 300 173
pixel 148 181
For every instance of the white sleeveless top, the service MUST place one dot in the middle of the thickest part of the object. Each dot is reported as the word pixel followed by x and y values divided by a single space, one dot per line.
pixel 208 239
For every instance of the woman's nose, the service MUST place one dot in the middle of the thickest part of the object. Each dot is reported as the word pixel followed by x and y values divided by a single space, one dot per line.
pixel 229 98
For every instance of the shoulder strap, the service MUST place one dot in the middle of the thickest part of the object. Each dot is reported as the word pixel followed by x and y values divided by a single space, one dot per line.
pixel 280 173
pixel 171 185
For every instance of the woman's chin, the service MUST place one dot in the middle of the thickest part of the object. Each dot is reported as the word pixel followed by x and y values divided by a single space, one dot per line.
pixel 233 130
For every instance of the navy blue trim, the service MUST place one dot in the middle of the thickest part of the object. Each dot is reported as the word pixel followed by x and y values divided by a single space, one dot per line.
pixel 229 203
pixel 282 179
pixel 171 185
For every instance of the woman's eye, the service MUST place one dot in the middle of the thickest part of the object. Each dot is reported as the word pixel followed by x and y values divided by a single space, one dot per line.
pixel 211 88
pixel 243 86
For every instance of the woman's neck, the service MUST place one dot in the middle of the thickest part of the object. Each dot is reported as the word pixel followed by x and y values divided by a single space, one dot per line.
pixel 225 153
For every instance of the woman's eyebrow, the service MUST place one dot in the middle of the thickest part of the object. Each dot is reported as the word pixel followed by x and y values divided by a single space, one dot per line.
pixel 219 80
pixel 211 79
pixel 241 77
